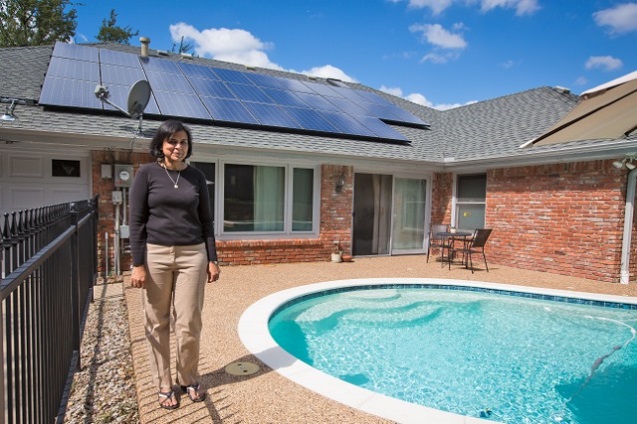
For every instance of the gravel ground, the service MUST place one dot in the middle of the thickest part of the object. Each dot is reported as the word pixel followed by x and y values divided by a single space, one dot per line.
pixel 103 391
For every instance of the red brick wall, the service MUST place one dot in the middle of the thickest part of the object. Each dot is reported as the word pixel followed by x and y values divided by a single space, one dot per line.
pixel 336 225
pixel 563 218
pixel 441 195
pixel 104 187
pixel 335 209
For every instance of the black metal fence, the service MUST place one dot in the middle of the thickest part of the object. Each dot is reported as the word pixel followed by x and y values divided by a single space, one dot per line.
pixel 48 265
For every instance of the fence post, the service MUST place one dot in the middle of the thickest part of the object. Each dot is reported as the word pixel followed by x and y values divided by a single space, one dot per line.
pixel 75 283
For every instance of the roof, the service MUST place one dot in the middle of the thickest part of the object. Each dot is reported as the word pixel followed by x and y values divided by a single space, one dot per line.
pixel 486 132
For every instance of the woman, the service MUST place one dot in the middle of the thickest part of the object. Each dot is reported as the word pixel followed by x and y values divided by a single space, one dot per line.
pixel 173 247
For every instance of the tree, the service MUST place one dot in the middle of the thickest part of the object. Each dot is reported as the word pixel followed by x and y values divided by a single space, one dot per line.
pixel 36 22
pixel 111 33
pixel 183 47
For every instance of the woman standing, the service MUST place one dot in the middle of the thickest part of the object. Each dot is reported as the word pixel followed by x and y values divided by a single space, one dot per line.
pixel 173 248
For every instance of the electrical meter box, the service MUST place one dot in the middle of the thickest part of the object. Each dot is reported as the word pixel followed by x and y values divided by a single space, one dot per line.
pixel 116 197
pixel 123 175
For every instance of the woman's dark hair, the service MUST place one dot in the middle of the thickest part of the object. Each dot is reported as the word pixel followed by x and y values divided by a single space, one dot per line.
pixel 164 132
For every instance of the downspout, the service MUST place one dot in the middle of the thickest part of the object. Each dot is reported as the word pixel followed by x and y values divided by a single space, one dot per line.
pixel 628 226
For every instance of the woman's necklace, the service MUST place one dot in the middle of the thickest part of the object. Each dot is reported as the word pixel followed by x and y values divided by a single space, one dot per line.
pixel 171 178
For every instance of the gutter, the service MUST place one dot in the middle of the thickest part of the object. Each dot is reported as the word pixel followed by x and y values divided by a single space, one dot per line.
pixel 628 227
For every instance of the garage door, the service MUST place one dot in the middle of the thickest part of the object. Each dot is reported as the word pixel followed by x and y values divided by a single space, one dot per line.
pixel 32 179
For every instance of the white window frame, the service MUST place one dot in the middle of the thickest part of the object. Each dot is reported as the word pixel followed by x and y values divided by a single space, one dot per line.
pixel 288 204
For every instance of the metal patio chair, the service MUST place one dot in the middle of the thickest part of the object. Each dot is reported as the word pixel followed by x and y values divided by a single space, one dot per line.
pixel 474 245
pixel 437 241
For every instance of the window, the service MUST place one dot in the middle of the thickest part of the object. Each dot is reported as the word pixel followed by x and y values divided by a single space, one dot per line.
pixel 471 201
pixel 65 168
pixel 208 170
pixel 254 199
pixel 303 199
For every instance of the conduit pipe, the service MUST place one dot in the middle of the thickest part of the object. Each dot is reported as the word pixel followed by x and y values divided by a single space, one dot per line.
pixel 628 227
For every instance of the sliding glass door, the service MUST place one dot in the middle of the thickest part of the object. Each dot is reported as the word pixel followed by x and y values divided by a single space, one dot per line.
pixel 408 221
pixel 389 215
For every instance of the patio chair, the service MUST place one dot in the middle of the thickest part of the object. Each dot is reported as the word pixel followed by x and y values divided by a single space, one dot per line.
pixel 474 245
pixel 437 241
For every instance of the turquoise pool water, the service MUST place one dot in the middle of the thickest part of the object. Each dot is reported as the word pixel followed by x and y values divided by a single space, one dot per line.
pixel 500 357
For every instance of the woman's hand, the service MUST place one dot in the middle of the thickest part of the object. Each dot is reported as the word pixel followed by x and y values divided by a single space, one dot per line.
pixel 213 272
pixel 138 277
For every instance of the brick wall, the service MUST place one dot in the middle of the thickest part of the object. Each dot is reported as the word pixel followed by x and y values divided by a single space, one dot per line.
pixel 441 194
pixel 335 210
pixel 563 218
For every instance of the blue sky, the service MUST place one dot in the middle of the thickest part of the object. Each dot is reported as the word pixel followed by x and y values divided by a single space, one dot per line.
pixel 439 53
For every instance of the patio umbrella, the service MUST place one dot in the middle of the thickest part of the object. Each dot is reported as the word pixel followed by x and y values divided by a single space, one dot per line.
pixel 608 111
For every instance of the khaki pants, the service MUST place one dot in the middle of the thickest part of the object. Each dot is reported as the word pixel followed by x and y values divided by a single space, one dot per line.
pixel 176 277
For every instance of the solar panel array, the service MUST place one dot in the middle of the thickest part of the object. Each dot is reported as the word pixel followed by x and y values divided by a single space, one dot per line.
pixel 192 91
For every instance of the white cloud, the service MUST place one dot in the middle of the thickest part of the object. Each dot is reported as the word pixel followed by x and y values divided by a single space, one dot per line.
pixel 438 36
pixel 240 46
pixel 621 18
pixel 581 81
pixel 522 7
pixel 328 71
pixel 436 6
pixel 606 63
pixel 508 64
pixel 231 45
pixel 420 98
pixel 439 59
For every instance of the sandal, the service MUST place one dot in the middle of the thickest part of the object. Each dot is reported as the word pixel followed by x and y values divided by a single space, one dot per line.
pixel 193 391
pixel 164 397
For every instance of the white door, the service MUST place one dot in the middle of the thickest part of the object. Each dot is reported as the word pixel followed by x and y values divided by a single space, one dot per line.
pixel 31 179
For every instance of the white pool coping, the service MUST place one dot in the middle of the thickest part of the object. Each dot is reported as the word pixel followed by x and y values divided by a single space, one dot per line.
pixel 255 335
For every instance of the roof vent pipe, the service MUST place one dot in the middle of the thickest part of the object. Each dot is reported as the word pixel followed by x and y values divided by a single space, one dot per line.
pixel 145 42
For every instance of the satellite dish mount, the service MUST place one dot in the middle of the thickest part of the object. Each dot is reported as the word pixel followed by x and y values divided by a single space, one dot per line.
pixel 138 97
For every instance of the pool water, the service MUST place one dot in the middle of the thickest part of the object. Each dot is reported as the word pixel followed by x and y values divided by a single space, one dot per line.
pixel 500 357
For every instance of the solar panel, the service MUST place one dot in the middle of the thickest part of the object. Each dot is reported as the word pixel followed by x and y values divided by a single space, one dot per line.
pixel 211 88
pixel 310 119
pixel 348 106
pixel 161 65
pixel 296 86
pixel 380 129
pixel 180 105
pixel 284 98
pixel 266 81
pixel 74 69
pixel 249 93
pixel 169 82
pixel 113 57
pixel 73 51
pixel 232 76
pixel 120 75
pixel 228 110
pixel 189 90
pixel 271 115
pixel 70 93
pixel 198 71
pixel 348 125
pixel 316 101
pixel 322 89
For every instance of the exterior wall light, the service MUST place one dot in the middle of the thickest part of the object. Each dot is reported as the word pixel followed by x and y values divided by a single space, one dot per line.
pixel 629 162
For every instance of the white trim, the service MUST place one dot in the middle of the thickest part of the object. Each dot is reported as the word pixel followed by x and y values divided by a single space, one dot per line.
pixel 628 227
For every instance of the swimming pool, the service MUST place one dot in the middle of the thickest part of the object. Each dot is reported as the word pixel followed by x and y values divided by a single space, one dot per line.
pixel 429 382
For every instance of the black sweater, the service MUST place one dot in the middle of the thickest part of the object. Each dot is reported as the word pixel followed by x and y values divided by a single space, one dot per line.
pixel 168 216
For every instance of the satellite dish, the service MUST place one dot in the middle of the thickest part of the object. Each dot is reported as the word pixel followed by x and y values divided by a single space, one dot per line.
pixel 138 97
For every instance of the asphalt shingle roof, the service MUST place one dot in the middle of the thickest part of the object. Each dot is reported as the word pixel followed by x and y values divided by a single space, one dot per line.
pixel 492 129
